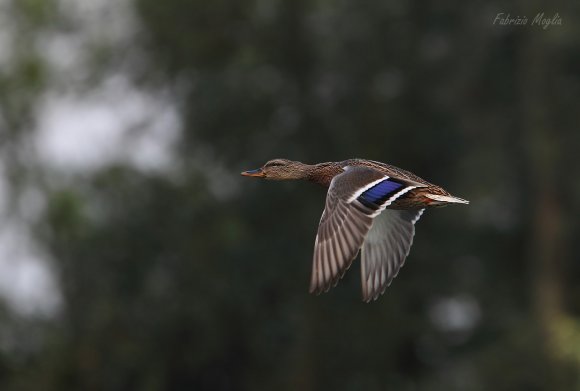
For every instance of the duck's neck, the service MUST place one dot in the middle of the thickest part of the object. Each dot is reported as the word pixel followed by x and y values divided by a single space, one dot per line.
pixel 323 173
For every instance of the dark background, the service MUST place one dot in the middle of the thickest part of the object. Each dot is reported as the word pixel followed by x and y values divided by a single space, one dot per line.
pixel 190 277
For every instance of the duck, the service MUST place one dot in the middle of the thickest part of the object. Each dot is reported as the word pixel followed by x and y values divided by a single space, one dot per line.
pixel 371 208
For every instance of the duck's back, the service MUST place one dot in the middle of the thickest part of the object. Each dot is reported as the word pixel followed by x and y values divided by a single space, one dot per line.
pixel 387 169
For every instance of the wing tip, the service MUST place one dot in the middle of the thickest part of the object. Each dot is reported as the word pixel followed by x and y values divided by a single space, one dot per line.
pixel 371 298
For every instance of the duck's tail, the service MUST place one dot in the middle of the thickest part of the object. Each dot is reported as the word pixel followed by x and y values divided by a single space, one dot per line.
pixel 445 199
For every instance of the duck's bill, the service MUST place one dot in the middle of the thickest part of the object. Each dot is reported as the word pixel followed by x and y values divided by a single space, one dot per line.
pixel 257 173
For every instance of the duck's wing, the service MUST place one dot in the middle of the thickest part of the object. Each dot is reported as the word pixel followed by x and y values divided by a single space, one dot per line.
pixel 385 248
pixel 354 199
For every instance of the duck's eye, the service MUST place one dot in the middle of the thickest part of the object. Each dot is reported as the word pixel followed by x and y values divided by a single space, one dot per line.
pixel 272 164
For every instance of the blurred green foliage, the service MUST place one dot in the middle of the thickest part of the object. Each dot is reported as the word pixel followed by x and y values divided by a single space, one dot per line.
pixel 197 279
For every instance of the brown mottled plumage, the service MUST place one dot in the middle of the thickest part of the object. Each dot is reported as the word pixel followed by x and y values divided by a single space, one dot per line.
pixel 371 207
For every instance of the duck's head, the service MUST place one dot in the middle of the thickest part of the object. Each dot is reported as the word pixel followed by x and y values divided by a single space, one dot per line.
pixel 280 169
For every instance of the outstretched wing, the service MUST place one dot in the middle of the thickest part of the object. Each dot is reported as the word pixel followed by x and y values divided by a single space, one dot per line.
pixel 385 249
pixel 354 199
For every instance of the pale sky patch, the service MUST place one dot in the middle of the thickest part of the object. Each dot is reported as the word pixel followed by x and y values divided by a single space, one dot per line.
pixel 27 283
pixel 115 122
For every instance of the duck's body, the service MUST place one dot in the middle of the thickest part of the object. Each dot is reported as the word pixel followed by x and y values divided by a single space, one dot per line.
pixel 370 206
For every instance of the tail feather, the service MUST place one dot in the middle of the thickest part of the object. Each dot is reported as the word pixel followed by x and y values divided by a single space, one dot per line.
pixel 444 199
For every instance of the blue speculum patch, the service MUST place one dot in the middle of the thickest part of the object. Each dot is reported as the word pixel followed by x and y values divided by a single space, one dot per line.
pixel 380 192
